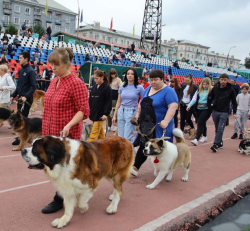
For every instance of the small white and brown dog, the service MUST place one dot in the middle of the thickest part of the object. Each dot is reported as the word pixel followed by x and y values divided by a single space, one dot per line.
pixel 166 157
pixel 244 146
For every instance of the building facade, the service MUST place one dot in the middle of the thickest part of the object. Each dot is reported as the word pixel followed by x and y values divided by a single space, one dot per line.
pixel 33 12
pixel 96 31
pixel 197 53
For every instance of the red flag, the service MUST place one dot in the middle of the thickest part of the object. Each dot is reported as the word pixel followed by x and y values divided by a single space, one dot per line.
pixel 111 24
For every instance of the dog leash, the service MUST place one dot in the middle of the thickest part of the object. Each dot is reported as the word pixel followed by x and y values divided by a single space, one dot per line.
pixel 23 103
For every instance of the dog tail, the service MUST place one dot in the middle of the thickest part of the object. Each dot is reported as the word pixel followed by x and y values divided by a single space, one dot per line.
pixel 178 134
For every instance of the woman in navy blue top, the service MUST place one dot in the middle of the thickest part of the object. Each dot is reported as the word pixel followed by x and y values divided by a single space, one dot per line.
pixel 158 105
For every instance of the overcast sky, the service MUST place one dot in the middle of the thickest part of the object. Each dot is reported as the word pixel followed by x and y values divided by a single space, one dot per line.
pixel 219 24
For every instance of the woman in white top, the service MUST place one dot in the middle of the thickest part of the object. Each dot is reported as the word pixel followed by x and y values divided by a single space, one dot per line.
pixel 115 83
pixel 6 86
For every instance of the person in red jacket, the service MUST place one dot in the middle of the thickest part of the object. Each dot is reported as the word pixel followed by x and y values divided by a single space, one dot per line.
pixel 144 82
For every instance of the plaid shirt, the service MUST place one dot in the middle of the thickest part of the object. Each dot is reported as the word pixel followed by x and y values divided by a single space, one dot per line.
pixel 61 105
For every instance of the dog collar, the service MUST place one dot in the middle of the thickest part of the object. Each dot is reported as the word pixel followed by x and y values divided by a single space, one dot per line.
pixel 156 160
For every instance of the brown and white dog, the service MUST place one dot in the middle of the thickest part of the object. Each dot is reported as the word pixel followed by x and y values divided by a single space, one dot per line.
pixel 75 169
pixel 38 94
pixel 166 157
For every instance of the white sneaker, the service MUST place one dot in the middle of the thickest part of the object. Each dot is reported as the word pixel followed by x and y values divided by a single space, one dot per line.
pixel 134 172
pixel 114 128
pixel 203 139
pixel 194 142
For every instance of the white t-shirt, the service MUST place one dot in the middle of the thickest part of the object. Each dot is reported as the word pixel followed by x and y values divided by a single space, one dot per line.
pixel 186 97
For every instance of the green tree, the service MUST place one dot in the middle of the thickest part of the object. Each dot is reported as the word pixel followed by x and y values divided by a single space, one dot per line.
pixel 247 62
pixel 39 30
pixel 11 29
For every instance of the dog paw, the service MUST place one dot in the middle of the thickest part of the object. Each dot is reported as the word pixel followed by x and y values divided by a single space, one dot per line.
pixel 59 223
pixel 84 209
pixel 168 179
pixel 150 186
pixel 16 149
pixel 184 179
pixel 111 209
pixel 111 197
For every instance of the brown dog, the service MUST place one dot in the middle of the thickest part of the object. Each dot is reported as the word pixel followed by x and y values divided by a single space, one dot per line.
pixel 38 94
pixel 27 129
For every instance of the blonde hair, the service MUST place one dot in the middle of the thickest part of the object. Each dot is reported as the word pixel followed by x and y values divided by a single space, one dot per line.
pixel 208 81
pixel 245 85
pixel 4 68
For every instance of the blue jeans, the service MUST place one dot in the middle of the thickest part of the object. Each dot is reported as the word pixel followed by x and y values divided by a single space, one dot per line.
pixel 125 128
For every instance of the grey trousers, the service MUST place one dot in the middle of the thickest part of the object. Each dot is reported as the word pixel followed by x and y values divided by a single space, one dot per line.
pixel 219 119
pixel 241 121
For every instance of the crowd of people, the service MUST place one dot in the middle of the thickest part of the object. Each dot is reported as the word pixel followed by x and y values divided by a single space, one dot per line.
pixel 154 102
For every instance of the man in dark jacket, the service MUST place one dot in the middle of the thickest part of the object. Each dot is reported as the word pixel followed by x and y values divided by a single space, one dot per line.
pixel 26 86
pixel 133 47
pixel 235 86
pixel 49 32
pixel 221 95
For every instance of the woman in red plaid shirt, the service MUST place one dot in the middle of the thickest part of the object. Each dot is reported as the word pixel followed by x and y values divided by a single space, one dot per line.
pixel 65 106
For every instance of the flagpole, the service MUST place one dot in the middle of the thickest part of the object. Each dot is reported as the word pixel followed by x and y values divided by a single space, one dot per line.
pixel 78 21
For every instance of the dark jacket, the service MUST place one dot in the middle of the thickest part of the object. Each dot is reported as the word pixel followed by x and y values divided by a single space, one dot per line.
pixel 170 71
pixel 221 98
pixel 49 31
pixel 47 74
pixel 236 88
pixel 36 68
pixel 100 101
pixel 26 84
pixel 183 86
pixel 10 49
pixel 5 38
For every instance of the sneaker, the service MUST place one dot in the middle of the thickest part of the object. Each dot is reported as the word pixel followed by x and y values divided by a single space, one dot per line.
pixel 194 142
pixel 53 207
pixel 241 137
pixel 114 128
pixel 214 148
pixel 16 141
pixel 220 146
pixel 203 139
pixel 235 135
pixel 134 172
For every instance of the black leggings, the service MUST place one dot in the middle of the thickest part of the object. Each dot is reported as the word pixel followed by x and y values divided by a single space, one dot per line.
pixel 176 119
pixel 202 117
pixel 186 116
pixel 140 158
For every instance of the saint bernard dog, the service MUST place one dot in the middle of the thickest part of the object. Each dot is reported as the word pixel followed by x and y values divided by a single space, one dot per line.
pixel 166 157
pixel 76 167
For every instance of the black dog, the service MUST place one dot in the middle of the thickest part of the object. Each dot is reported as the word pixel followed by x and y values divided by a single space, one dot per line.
pixel 4 115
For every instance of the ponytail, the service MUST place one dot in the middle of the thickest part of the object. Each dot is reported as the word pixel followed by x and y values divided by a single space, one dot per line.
pixel 103 74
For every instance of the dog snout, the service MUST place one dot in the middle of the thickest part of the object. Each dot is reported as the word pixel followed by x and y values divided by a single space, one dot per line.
pixel 23 152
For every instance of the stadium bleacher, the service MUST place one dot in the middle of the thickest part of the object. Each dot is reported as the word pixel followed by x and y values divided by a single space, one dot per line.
pixel 30 44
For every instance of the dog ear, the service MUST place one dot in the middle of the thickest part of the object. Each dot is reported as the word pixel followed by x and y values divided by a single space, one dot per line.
pixel 54 149
pixel 160 143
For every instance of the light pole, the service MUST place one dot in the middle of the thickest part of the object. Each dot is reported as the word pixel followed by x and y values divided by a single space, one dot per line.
pixel 78 20
pixel 228 54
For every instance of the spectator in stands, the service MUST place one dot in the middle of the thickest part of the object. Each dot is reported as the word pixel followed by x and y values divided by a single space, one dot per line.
pixel 151 69
pixel 121 50
pixel 35 66
pixel 97 44
pixel 207 74
pixel 115 83
pixel 138 64
pixel 43 38
pixel 16 42
pixel 176 64
pixel 91 44
pixel 38 80
pixel 35 58
pixel 79 75
pixel 26 86
pixel 133 47
pixel 115 57
pixel 66 97
pixel 86 44
pixel 145 71
pixel 132 65
pixel 45 77
pixel 93 58
pixel 170 72
pixel 4 49
pixel 158 106
pixel 87 58
pixel 119 63
pixel 39 50
pixel 98 60
pixel 3 59
pixel 11 50
pixel 202 102
pixel 6 86
pixel 144 82
pixel 243 111
pixel 26 34
pixel 30 30
pixel 100 103
pixel 23 27
pixel 174 83
pixel 187 92
pixel 221 95
pixel 123 55
pixel 126 106
pixel 5 39
pixel 49 32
